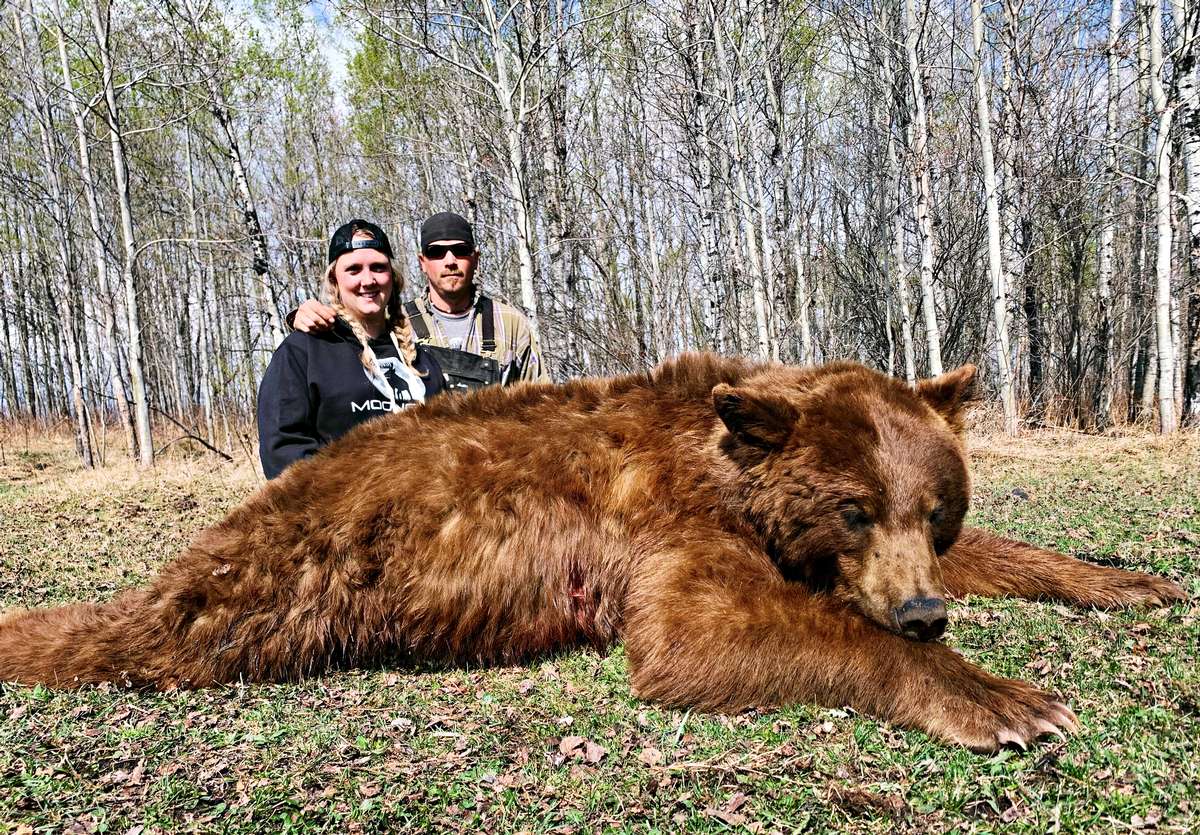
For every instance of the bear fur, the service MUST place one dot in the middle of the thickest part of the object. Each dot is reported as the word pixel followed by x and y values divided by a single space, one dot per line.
pixel 755 534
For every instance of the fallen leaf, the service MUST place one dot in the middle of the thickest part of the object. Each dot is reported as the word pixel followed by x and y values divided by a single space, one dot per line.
pixel 568 744
pixel 650 756
pixel 1149 821
pixel 730 818
pixel 736 802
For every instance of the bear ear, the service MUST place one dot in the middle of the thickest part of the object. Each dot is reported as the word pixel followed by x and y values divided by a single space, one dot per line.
pixel 949 393
pixel 755 418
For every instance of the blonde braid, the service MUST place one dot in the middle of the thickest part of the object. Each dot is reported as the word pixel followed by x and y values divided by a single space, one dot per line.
pixel 368 355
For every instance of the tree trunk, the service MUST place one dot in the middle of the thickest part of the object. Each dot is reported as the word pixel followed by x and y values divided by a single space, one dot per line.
pixel 108 317
pixel 513 121
pixel 999 280
pixel 739 163
pixel 698 132
pixel 1167 415
pixel 558 216
pixel 1102 402
pixel 261 261
pixel 919 133
pixel 141 403
pixel 1187 68
pixel 892 82
pixel 63 296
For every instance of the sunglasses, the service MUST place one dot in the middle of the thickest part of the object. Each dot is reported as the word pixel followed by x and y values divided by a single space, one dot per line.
pixel 438 251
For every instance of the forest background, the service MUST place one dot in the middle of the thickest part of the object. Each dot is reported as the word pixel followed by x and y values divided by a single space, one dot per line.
pixel 906 183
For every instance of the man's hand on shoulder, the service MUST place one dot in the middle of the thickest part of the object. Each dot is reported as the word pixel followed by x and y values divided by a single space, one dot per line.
pixel 314 317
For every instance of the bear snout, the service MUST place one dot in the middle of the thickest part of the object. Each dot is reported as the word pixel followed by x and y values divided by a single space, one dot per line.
pixel 921 618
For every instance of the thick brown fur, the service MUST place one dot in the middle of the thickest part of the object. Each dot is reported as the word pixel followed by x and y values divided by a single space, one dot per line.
pixel 747 530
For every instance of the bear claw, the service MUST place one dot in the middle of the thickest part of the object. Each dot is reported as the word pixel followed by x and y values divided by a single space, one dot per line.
pixel 1047 728
pixel 1007 736
pixel 1064 717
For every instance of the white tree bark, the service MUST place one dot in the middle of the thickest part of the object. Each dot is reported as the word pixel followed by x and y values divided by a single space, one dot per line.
pixel 804 297
pixel 1011 148
pixel 918 140
pixel 1149 351
pixel 553 160
pixel 896 179
pixel 108 318
pixel 65 286
pixel 749 234
pixel 1168 420
pixel 141 402
pixel 777 223
pixel 201 286
pixel 999 280
pixel 510 97
pixel 1108 223
pixel 1187 70
pixel 699 140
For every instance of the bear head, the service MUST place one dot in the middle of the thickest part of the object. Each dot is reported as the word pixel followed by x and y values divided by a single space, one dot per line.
pixel 855 481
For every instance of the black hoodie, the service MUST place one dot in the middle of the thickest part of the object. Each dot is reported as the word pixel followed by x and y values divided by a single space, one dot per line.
pixel 316 389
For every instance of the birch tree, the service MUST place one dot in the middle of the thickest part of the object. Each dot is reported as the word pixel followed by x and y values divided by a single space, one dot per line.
pixel 1187 75
pixel 1168 420
pixel 919 156
pixel 504 71
pixel 101 21
pixel 1108 222
pixel 103 300
pixel 64 292
pixel 999 280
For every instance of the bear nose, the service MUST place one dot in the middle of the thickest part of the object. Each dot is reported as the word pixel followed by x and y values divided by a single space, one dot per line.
pixel 922 618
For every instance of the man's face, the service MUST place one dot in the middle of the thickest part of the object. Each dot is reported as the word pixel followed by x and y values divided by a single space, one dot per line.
pixel 450 267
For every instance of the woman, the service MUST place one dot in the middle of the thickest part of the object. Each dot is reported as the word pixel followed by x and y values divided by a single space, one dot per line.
pixel 319 386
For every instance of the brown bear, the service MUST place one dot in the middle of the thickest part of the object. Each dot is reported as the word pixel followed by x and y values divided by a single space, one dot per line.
pixel 755 534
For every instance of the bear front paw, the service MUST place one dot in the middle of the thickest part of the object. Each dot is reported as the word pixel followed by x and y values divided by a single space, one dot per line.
pixel 1007 713
pixel 1133 588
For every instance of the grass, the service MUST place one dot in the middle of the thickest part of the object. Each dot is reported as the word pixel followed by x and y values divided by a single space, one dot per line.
pixel 562 745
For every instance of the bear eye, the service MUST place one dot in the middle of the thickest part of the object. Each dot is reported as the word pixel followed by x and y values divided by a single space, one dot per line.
pixel 856 516
pixel 937 514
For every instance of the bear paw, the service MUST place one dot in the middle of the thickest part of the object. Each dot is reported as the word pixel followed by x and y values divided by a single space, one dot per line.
pixel 1145 589
pixel 1133 588
pixel 1008 713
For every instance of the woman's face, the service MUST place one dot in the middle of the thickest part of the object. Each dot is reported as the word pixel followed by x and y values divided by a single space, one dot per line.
pixel 364 283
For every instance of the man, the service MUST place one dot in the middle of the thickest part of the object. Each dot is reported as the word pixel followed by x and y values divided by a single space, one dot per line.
pixel 476 339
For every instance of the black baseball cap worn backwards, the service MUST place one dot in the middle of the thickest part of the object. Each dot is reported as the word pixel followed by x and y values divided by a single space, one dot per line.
pixel 446 226
pixel 343 239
